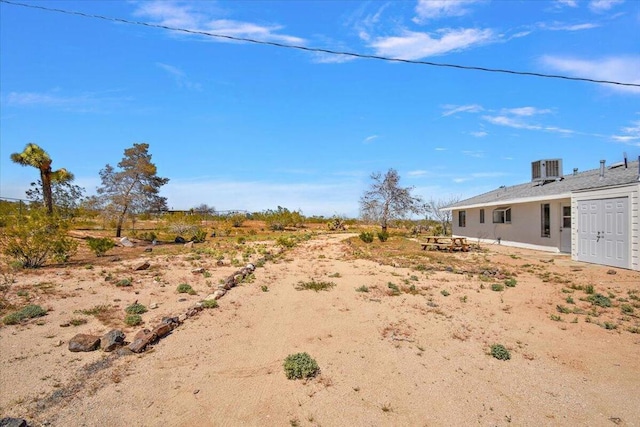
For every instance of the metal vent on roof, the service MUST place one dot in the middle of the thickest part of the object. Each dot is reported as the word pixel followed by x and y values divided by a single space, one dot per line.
pixel 546 170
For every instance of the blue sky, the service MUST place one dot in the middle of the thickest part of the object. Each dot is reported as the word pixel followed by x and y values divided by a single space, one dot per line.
pixel 246 126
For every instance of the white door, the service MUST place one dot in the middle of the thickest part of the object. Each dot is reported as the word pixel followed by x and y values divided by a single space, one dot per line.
pixel 565 229
pixel 603 231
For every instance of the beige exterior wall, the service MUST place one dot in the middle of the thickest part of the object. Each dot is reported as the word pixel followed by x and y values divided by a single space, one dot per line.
pixel 633 193
pixel 525 229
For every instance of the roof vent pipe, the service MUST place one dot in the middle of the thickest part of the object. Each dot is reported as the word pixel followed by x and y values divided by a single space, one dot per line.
pixel 575 171
pixel 602 169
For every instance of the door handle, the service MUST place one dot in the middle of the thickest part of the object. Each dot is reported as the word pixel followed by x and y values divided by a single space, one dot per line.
pixel 598 236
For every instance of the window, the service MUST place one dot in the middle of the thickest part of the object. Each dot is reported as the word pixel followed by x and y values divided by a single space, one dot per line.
pixel 502 216
pixel 545 220
pixel 481 216
pixel 462 218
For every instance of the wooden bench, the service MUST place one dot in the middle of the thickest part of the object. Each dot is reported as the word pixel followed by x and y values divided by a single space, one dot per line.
pixel 445 243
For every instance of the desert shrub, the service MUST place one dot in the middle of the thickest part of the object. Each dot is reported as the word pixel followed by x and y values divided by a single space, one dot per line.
pixel 100 245
pixel 123 283
pixel 286 241
pixel 199 236
pixel 185 288
pixel 497 287
pixel 394 288
pixel 264 288
pixel 562 309
pixel 28 312
pixel 626 309
pixel 366 236
pixel 510 283
pixel 589 289
pixel 500 352
pixel 133 319
pixel 314 286
pixel 37 238
pixel 599 300
pixel 237 220
pixel 148 236
pixel 362 288
pixel 209 303
pixel 300 365
pixel 136 308
pixel 445 292
pixel 383 236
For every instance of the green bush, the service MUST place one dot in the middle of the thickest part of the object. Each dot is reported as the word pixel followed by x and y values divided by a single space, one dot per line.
pixel 36 238
pixel 500 352
pixel 394 288
pixel 383 236
pixel 100 245
pixel 136 308
pixel 510 283
pixel 314 286
pixel 124 283
pixel 133 319
pixel 497 287
pixel 199 236
pixel 185 288
pixel 286 241
pixel 599 300
pixel 28 312
pixel 300 365
pixel 209 303
pixel 362 288
pixel 366 236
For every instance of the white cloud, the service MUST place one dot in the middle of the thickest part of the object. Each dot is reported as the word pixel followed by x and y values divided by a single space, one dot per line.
pixel 440 149
pixel 570 3
pixel 182 15
pixel 603 5
pixel 479 134
pixel 180 77
pixel 416 45
pixel 470 153
pixel 560 26
pixel 433 9
pixel 454 109
pixel 369 139
pixel 87 102
pixel 525 111
pixel 417 173
pixel 624 69
pixel 629 134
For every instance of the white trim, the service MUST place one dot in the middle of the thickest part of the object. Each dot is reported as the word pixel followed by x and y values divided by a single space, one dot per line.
pixel 510 202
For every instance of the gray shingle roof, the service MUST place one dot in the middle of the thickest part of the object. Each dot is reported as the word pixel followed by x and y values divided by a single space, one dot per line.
pixel 553 189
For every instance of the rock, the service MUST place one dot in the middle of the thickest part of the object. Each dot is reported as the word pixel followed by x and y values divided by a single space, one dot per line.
pixel 173 321
pixel 210 297
pixel 58 343
pixel 162 330
pixel 220 263
pixel 193 311
pixel 153 305
pixel 142 266
pixel 148 249
pixel 13 422
pixel 112 340
pixel 126 242
pixel 180 240
pixel 219 293
pixel 198 270
pixel 84 342
pixel 142 340
pixel 182 318
pixel 612 272
pixel 124 351
pixel 188 245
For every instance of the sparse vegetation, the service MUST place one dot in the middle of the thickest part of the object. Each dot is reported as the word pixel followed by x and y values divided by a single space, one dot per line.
pixel 366 236
pixel 209 303
pixel 300 366
pixel 497 287
pixel 133 319
pixel 362 288
pixel 136 308
pixel 185 288
pixel 314 285
pixel 101 245
pixel 599 300
pixel 500 352
pixel 28 312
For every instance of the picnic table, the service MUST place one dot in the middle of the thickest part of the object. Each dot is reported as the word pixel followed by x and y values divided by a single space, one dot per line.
pixel 445 243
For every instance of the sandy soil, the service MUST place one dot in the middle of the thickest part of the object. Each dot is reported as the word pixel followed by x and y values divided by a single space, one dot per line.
pixel 408 360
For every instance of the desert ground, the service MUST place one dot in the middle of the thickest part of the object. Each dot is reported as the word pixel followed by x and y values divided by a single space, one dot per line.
pixel 419 356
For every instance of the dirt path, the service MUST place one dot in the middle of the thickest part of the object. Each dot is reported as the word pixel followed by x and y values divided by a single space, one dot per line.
pixel 385 360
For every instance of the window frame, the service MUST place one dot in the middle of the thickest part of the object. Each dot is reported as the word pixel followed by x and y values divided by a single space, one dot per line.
pixel 462 219
pixel 545 220
pixel 502 215
pixel 481 216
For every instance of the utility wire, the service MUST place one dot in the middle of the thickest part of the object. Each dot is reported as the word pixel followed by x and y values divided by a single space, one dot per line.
pixel 321 50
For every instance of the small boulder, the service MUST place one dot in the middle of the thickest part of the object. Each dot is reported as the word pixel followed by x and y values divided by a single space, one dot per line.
pixel 126 242
pixel 198 270
pixel 188 245
pixel 148 249
pixel 84 342
pixel 112 340
pixel 180 239
pixel 612 272
pixel 142 266
pixel 13 422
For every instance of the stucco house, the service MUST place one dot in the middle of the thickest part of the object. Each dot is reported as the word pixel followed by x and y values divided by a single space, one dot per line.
pixel 593 215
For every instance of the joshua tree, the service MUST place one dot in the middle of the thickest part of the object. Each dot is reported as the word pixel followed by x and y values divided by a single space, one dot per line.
pixel 36 157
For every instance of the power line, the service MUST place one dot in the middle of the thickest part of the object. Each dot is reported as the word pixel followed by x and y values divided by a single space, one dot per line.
pixel 321 50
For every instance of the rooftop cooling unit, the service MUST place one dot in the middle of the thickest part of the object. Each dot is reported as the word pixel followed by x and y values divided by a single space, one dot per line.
pixel 546 170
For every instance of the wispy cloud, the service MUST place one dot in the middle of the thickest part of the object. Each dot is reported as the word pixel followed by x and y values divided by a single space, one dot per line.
pixel 569 3
pixel 472 153
pixel 370 139
pixel 525 111
pixel 365 22
pixel 184 15
pixel 440 149
pixel 434 9
pixel 479 134
pixel 450 110
pixel 624 69
pixel 418 173
pixel 561 26
pixel 87 102
pixel 416 45
pixel 629 134
pixel 180 77
pixel 603 5
pixel 517 122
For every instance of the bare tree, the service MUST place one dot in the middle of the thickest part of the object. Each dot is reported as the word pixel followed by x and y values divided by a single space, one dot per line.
pixel 134 188
pixel 386 200
pixel 434 210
